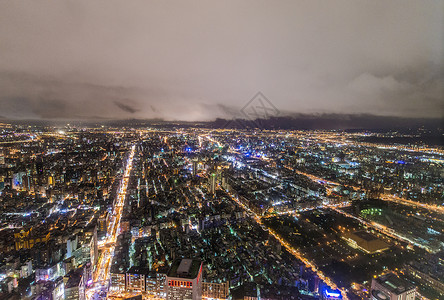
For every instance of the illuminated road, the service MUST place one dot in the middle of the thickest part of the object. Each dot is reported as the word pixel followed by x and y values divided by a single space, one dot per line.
pixel 101 276
pixel 291 249
pixel 385 197
pixel 388 197
pixel 382 229
pixel 329 183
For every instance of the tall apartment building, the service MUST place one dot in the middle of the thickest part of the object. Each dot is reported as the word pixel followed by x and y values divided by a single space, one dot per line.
pixel 214 290
pixel 136 279
pixel 184 280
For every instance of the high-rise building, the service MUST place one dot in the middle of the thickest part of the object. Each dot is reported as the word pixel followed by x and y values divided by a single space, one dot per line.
pixel 27 182
pixel 74 283
pixel 117 282
pixel 17 180
pixel 215 290
pixel 102 225
pixel 212 182
pixel 195 167
pixel 184 280
pixel 2 157
pixel 390 286
pixel 51 180
pixel 136 279
pixel 155 285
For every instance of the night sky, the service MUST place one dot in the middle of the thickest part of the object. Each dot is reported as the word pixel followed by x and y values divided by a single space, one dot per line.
pixel 199 60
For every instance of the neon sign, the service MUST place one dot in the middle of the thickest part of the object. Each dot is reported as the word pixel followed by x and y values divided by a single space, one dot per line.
pixel 333 294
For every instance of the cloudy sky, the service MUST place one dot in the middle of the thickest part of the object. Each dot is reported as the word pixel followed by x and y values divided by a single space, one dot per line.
pixel 197 60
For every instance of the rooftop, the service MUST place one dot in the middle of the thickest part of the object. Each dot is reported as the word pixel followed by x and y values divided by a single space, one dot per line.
pixel 394 284
pixel 138 270
pixel 185 268
pixel 365 236
pixel 74 278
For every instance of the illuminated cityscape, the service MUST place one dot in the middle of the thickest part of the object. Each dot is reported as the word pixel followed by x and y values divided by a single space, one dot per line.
pixel 167 212
pixel 221 150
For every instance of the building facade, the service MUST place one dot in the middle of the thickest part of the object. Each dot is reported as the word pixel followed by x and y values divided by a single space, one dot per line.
pixel 390 286
pixel 184 280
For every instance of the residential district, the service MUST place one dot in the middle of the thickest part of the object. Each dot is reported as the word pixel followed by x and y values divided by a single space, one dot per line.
pixel 185 212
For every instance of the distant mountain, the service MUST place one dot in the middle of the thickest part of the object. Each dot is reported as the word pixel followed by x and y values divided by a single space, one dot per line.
pixel 331 122
pixel 348 122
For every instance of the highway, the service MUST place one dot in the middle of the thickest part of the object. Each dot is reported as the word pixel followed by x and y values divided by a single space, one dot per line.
pixel 102 273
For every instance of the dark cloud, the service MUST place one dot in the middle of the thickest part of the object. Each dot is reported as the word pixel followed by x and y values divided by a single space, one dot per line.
pixel 51 109
pixel 169 60
pixel 125 107
pixel 415 92
pixel 31 96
